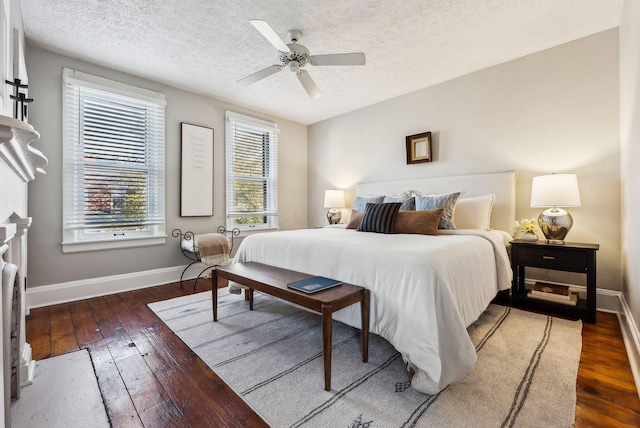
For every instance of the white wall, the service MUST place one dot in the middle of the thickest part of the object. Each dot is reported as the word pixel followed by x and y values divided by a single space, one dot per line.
pixel 49 265
pixel 553 111
pixel 630 152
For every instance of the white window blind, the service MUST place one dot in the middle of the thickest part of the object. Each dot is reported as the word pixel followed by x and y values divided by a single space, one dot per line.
pixel 252 172
pixel 113 178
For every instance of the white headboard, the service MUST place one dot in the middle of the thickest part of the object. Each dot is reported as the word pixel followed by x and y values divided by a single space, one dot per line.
pixel 501 184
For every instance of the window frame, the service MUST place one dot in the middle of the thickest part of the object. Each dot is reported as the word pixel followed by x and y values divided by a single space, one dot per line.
pixel 270 179
pixel 75 235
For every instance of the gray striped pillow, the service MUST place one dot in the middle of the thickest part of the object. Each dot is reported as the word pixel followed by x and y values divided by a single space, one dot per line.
pixel 408 204
pixel 446 202
pixel 360 204
pixel 379 218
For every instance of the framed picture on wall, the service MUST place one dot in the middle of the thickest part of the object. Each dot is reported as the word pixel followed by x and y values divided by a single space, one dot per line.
pixel 419 148
pixel 196 171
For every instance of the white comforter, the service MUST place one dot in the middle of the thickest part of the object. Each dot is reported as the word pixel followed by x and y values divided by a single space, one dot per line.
pixel 425 290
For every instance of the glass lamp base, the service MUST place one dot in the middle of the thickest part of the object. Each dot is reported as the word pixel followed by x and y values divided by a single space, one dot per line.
pixel 334 216
pixel 555 223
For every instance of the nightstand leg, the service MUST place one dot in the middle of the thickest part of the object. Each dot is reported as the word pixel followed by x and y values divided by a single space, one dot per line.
pixel 591 288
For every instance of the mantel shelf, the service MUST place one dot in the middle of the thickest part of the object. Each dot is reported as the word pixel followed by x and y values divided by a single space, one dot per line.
pixel 15 139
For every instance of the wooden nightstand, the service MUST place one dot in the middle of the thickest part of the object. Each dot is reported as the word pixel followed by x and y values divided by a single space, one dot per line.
pixel 570 257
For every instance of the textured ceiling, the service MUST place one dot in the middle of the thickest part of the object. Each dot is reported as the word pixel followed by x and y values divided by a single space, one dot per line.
pixel 205 46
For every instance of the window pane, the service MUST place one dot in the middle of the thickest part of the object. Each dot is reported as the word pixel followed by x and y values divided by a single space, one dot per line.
pixel 251 166
pixel 114 132
pixel 250 155
pixel 115 200
pixel 250 196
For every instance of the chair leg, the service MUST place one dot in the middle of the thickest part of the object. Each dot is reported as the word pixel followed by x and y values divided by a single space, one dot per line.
pixel 183 272
pixel 195 284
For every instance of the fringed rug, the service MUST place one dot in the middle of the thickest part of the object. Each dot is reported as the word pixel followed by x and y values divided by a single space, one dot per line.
pixel 525 375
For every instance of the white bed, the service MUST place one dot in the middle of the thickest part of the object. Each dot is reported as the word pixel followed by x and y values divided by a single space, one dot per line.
pixel 425 290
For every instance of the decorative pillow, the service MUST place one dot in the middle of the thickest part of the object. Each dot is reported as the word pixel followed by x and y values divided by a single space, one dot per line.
pixel 360 204
pixel 405 194
pixel 379 218
pixel 446 202
pixel 474 213
pixel 408 203
pixel 356 218
pixel 418 222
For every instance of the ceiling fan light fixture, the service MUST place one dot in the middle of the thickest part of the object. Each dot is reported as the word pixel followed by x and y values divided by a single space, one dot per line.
pixel 296 56
pixel 294 66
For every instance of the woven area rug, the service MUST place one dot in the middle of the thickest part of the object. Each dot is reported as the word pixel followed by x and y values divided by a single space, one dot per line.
pixel 525 375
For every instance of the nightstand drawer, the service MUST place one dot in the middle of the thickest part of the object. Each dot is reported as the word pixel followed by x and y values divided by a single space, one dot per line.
pixel 551 258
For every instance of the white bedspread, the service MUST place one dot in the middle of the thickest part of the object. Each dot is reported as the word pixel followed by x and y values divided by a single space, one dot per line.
pixel 425 290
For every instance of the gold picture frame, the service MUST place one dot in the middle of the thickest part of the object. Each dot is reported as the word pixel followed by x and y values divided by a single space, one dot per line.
pixel 419 148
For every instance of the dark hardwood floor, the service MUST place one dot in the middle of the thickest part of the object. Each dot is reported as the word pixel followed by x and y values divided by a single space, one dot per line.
pixel 148 377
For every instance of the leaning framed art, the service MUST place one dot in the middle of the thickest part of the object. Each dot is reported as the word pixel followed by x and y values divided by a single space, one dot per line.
pixel 196 171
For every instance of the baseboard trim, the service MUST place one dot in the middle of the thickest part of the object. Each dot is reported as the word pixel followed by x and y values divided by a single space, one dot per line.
pixel 631 337
pixel 64 292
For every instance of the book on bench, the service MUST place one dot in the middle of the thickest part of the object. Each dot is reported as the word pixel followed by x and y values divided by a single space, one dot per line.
pixel 313 284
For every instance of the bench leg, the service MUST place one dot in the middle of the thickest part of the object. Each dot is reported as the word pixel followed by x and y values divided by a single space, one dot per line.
pixel 326 344
pixel 250 292
pixel 214 294
pixel 364 314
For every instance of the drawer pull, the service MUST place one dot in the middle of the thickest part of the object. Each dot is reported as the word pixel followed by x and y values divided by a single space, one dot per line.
pixel 548 257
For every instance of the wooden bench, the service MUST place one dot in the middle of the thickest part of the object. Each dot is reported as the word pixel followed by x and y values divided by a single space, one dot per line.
pixel 273 281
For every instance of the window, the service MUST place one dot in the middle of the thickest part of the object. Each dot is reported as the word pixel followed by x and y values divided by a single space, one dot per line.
pixel 252 173
pixel 113 175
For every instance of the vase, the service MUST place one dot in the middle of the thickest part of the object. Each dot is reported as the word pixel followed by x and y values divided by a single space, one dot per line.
pixel 529 237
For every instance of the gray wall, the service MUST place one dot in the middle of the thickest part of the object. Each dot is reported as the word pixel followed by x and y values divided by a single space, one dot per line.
pixel 48 265
pixel 553 111
pixel 630 147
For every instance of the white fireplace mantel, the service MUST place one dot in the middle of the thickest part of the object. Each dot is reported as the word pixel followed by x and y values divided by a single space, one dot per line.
pixel 15 139
pixel 25 162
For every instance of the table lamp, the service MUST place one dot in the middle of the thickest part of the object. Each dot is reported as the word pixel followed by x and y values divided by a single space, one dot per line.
pixel 334 199
pixel 555 191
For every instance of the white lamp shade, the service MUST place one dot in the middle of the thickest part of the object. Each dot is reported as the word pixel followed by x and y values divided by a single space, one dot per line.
pixel 334 198
pixel 555 190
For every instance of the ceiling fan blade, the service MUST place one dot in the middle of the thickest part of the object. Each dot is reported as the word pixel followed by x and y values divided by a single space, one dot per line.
pixel 308 84
pixel 356 58
pixel 268 33
pixel 259 75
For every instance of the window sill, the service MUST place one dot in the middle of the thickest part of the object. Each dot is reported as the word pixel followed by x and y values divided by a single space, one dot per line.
pixel 112 244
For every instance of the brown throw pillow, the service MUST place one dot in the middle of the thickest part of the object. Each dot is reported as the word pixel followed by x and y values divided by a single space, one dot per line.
pixel 418 222
pixel 356 218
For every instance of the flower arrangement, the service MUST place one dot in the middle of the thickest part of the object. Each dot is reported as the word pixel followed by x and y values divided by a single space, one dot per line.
pixel 526 225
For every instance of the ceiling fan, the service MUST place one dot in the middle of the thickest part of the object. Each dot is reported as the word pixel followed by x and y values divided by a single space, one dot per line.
pixel 295 57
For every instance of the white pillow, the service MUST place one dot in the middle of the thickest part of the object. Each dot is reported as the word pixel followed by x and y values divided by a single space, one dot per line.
pixel 474 213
